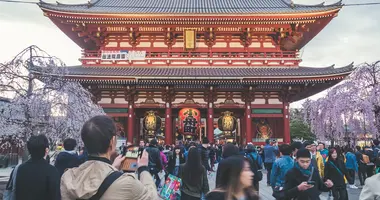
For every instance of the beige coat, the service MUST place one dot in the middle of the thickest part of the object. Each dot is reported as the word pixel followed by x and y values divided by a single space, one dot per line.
pixel 83 182
pixel 371 188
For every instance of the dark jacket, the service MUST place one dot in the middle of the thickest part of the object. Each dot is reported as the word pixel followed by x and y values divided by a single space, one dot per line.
pixel 294 177
pixel 333 174
pixel 172 161
pixel 194 190
pixel 66 160
pixel 37 180
pixel 204 157
pixel 219 195
pixel 154 158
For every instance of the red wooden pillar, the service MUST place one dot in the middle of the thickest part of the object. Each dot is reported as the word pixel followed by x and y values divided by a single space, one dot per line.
pixel 243 134
pixel 286 123
pixel 131 123
pixel 248 122
pixel 168 124
pixel 210 123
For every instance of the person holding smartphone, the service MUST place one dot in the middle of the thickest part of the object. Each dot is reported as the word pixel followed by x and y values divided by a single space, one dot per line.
pixel 303 181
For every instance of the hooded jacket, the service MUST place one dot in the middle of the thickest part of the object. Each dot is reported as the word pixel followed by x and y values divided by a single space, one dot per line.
pixel 83 182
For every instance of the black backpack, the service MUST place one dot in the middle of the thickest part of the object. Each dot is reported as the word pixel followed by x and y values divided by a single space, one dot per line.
pixel 255 168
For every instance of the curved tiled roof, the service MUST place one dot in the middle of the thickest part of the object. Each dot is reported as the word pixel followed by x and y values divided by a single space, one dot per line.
pixel 217 72
pixel 190 6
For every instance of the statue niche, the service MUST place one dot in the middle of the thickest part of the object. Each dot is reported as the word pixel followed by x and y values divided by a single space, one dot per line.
pixel 263 130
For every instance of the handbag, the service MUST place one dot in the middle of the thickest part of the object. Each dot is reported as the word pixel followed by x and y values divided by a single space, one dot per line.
pixel 10 190
pixel 171 189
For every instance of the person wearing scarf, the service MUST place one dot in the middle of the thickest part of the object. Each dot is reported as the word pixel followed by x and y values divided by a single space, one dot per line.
pixel 336 171
pixel 303 181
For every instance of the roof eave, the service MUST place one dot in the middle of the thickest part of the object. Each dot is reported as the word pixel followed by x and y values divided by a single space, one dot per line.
pixel 203 78
pixel 332 10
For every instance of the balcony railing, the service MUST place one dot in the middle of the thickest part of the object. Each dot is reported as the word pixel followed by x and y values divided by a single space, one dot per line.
pixel 205 55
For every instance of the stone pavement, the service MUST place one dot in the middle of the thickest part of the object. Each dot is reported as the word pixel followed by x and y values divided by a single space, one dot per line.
pixel 265 191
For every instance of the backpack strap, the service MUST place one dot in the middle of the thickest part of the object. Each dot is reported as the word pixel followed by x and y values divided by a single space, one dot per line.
pixel 106 184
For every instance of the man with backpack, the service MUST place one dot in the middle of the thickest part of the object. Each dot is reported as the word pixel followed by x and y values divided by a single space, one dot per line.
pixel 280 167
pixel 97 178
pixel 362 165
pixel 256 165
pixel 369 159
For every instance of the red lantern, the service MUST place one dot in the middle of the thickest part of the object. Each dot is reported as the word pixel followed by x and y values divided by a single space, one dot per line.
pixel 189 121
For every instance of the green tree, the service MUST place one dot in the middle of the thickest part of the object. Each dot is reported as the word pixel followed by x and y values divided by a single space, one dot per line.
pixel 299 129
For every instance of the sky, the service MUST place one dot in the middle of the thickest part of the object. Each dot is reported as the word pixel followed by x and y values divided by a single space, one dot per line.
pixel 353 36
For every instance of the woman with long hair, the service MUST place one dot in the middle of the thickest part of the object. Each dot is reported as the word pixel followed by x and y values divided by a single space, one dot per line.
pixel 175 161
pixel 335 170
pixel 234 180
pixel 194 177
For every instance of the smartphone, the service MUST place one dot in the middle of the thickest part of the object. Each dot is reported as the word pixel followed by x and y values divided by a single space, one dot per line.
pixel 311 182
pixel 131 155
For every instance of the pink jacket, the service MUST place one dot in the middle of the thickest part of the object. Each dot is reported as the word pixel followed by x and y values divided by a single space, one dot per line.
pixel 164 160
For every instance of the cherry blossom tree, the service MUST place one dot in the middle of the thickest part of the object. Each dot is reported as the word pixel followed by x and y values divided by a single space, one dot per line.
pixel 350 108
pixel 43 101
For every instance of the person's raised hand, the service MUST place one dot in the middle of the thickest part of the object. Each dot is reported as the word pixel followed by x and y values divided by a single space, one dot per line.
pixel 304 186
pixel 117 162
pixel 144 160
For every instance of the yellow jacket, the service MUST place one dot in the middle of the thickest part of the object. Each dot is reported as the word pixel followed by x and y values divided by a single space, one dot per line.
pixel 320 164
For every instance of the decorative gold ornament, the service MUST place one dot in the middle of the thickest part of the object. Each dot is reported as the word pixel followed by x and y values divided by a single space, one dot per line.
pixel 227 123
pixel 151 123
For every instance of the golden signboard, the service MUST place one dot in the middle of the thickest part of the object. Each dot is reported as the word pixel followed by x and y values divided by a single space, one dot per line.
pixel 189 39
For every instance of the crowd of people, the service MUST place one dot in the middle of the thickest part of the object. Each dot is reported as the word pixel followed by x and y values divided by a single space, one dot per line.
pixel 294 171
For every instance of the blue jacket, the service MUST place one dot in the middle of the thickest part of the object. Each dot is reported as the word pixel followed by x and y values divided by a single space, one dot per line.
pixel 351 162
pixel 280 167
pixel 269 155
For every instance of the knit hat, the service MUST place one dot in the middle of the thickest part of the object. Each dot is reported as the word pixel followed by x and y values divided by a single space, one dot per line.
pixel 303 153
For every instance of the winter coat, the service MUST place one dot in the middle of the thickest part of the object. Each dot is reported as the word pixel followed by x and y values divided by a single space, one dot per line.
pixel 269 154
pixel 194 190
pixel 371 190
pixel 294 177
pixel 320 163
pixel 204 157
pixel 332 173
pixel 280 167
pixel 66 160
pixel 163 159
pixel 155 161
pixel 351 162
pixel 37 180
pixel 83 182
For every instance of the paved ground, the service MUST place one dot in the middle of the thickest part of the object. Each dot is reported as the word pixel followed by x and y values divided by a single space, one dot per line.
pixel 265 191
